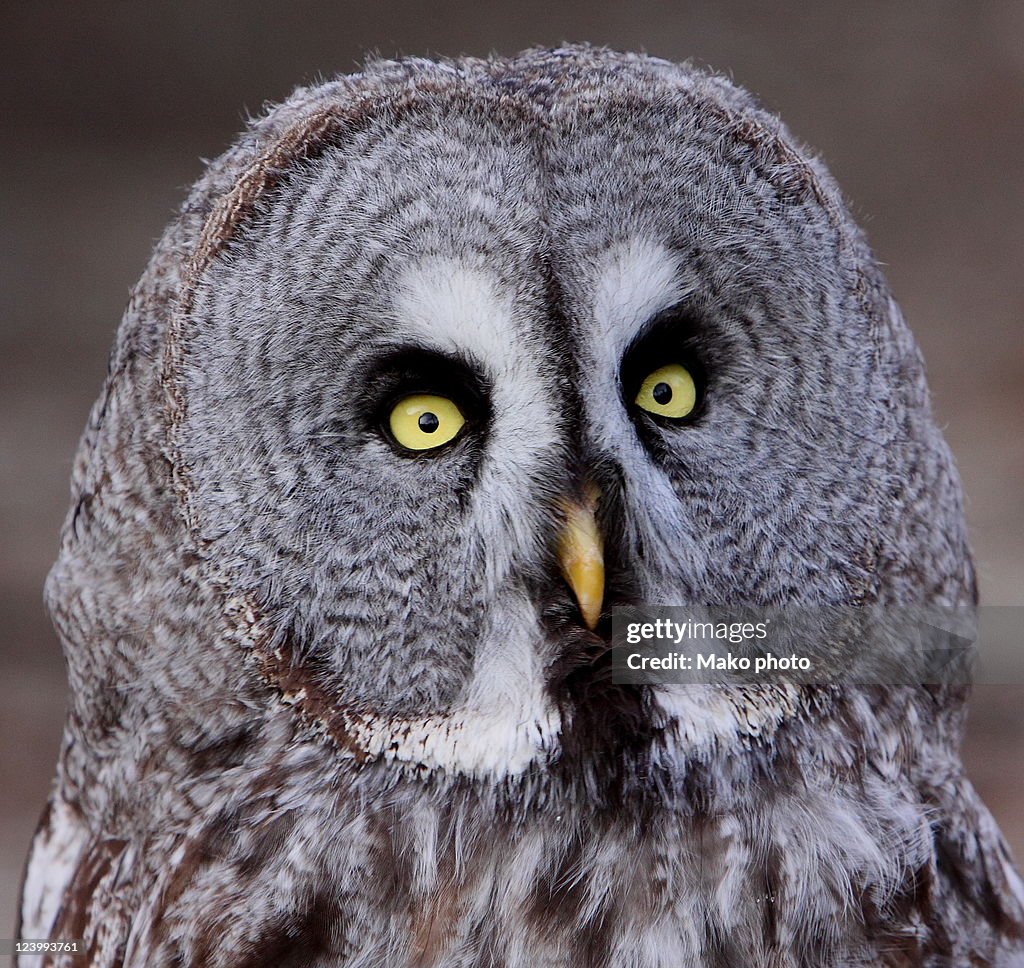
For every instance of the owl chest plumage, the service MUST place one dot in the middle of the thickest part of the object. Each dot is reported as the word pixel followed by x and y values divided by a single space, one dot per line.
pixel 297 869
pixel 417 886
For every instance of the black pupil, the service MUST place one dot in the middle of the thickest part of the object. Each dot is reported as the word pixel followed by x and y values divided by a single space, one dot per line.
pixel 662 393
pixel 428 422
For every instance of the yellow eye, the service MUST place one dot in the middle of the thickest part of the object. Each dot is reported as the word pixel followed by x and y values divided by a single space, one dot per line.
pixel 668 392
pixel 424 421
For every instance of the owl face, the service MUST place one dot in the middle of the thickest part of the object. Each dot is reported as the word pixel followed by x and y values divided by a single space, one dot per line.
pixel 474 319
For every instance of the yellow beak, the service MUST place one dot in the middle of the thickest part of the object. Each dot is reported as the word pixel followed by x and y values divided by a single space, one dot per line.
pixel 581 555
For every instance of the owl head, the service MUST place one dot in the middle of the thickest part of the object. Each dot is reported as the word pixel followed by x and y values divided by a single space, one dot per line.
pixel 443 361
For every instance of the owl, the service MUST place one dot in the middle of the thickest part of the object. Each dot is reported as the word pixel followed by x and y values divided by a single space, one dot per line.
pixel 438 365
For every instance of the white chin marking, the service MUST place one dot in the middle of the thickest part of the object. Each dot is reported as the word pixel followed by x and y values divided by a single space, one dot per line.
pixel 504 724
pixel 479 743
pixel 707 719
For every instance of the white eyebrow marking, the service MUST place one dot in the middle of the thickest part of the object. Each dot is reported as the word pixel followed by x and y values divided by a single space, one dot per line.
pixel 637 279
pixel 458 307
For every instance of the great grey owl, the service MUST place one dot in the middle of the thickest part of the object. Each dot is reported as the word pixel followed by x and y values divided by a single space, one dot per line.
pixel 438 364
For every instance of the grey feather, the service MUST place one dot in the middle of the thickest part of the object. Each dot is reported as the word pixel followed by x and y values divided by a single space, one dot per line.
pixel 331 704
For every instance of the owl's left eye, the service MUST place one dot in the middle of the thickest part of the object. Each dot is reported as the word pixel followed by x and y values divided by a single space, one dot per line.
pixel 425 421
pixel 669 391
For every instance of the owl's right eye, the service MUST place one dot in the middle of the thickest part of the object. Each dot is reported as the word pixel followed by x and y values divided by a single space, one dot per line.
pixel 425 421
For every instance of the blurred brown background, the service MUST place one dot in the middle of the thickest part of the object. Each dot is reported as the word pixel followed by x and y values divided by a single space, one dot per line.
pixel 107 108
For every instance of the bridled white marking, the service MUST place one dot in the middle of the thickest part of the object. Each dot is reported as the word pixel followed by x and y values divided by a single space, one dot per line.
pixel 461 309
pixel 636 280
pixel 633 282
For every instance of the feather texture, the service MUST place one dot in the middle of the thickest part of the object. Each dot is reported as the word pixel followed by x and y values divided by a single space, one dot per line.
pixel 331 705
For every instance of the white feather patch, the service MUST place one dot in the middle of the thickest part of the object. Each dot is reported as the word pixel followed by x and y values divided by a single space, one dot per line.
pixel 637 280
pixel 504 724
pixel 52 863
